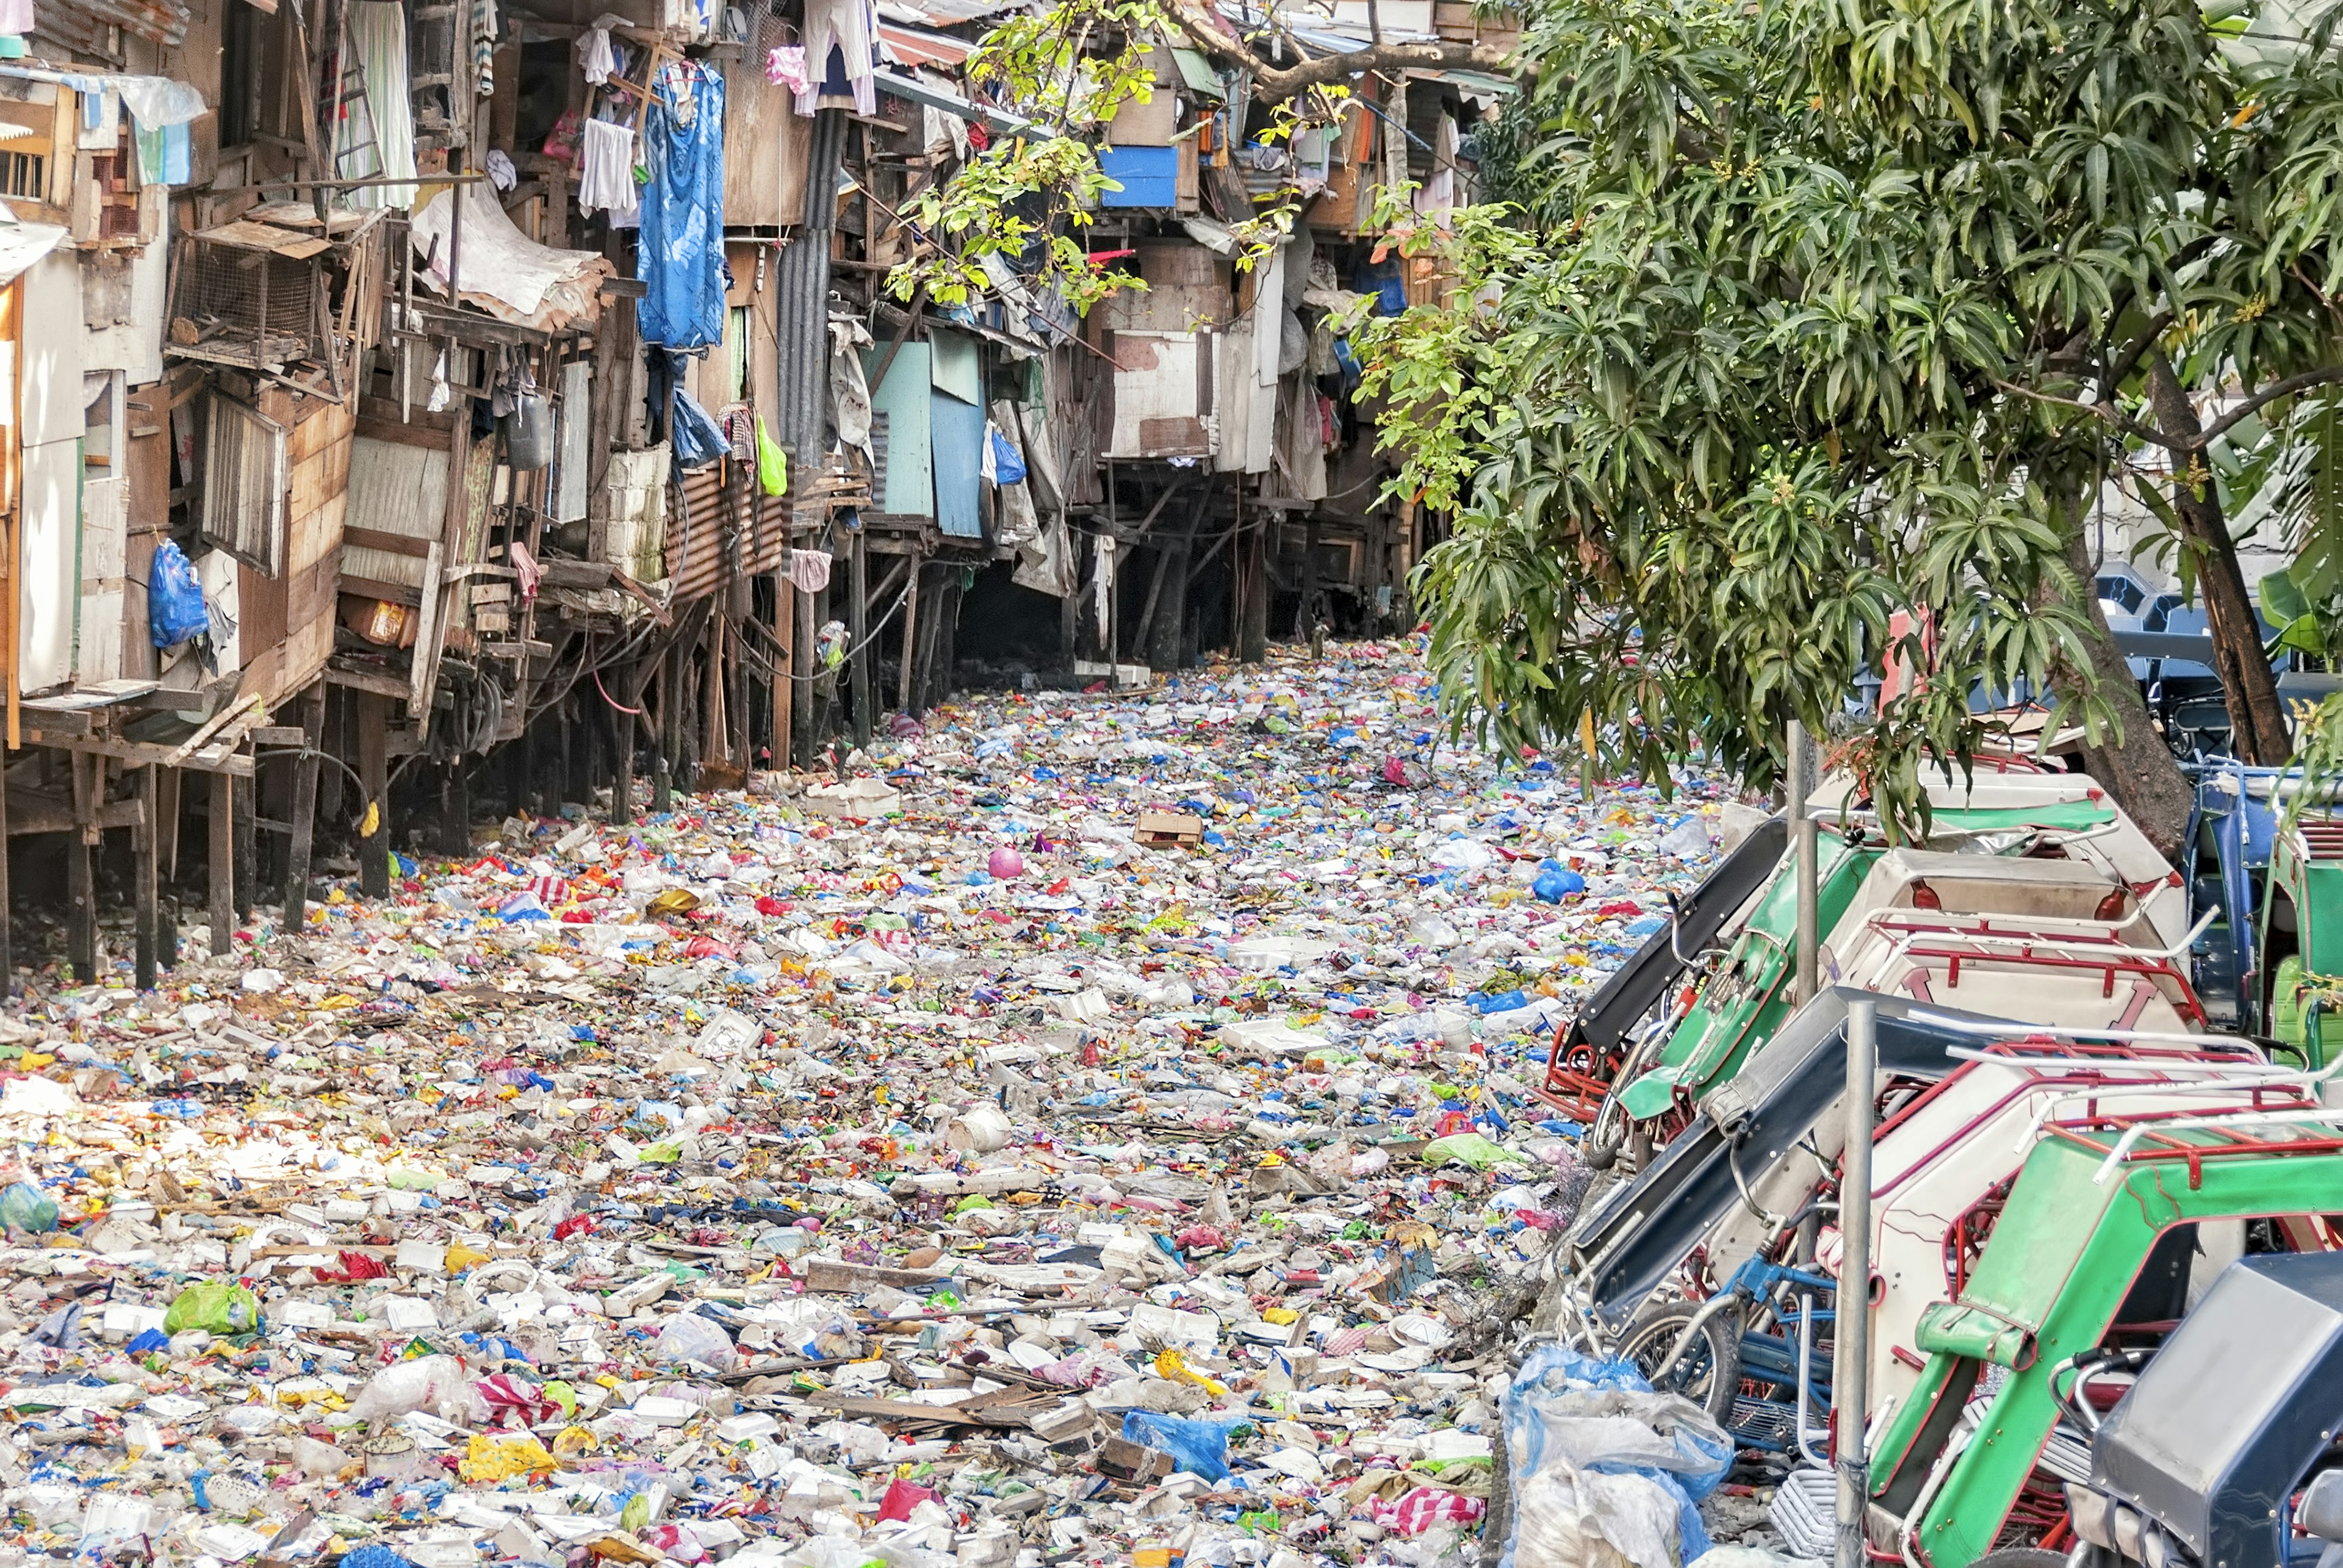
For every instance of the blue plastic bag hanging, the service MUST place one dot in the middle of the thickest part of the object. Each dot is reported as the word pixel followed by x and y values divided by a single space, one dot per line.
pixel 1005 467
pixel 174 597
pixel 699 438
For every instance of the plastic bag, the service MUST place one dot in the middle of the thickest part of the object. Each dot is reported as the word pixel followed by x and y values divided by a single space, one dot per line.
pixel 699 438
pixel 1556 882
pixel 1197 1445
pixel 772 463
pixel 690 1337
pixel 1556 1386
pixel 1469 1149
pixel 320 1460
pixel 216 1308
pixel 1688 840
pixel 174 597
pixel 1680 1451
pixel 1566 1518
pixel 25 1207
pixel 427 1383
pixel 501 1455
pixel 1008 465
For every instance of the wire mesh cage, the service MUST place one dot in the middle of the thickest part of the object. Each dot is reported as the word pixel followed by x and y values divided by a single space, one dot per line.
pixel 235 306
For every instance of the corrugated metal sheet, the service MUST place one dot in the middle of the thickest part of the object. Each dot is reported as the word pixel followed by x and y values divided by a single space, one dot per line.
pixel 803 302
pixel 727 535
pixel 83 23
pixel 394 488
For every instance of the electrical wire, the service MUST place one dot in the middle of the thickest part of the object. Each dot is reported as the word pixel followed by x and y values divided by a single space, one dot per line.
pixel 877 627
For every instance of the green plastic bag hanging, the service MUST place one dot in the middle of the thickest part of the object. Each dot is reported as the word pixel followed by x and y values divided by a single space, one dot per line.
pixel 772 463
pixel 219 1308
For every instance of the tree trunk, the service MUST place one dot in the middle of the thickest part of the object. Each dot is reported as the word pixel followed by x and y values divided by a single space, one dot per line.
pixel 2138 769
pixel 2258 732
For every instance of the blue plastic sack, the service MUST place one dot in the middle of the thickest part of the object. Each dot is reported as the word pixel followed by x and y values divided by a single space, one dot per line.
pixel 1200 1447
pixel 1008 466
pixel 699 438
pixel 1701 1460
pixel 1556 882
pixel 174 597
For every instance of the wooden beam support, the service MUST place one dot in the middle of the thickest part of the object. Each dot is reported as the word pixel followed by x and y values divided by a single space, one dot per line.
pixel 220 864
pixel 222 758
pixel 305 810
pixel 144 838
pixel 374 774
pixel 81 881
pixel 859 630
pixel 7 951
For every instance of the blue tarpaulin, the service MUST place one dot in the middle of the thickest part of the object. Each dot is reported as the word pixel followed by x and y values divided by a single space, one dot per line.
pixel 681 253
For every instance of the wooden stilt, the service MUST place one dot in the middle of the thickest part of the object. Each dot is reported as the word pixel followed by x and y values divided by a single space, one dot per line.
pixel 910 638
pixel 947 637
pixel 81 882
pixel 805 705
pixel 686 726
pixel 1305 617
pixel 741 740
pixel 220 862
pixel 1169 612
pixel 7 949
pixel 374 776
pixel 517 771
pixel 247 833
pixel 166 810
pixel 785 605
pixel 305 811
pixel 622 751
pixel 144 841
pixel 1252 573
pixel 455 810
pixel 858 630
pixel 663 754
pixel 567 785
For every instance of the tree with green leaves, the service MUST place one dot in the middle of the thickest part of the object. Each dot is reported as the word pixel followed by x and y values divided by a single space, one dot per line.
pixel 1010 219
pixel 1812 336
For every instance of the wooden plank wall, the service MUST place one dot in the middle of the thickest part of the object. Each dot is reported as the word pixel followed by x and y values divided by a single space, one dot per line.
pixel 290 620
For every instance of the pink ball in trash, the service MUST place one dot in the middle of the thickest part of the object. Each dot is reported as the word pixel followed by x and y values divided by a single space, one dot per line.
pixel 1006 863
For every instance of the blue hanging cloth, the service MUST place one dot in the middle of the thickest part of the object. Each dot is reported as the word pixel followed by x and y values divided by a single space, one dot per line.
pixel 680 250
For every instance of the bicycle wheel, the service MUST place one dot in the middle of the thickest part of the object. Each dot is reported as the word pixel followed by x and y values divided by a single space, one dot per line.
pixel 1708 1373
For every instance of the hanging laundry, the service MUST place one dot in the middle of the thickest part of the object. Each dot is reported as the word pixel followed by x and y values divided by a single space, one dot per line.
pixel 605 170
pixel 681 255
pixel 849 390
pixel 374 135
pixel 501 173
pixel 1103 584
pixel 15 18
pixel 810 570
pixel 484 47
pixel 786 67
pixel 525 568
pixel 596 62
pixel 841 48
